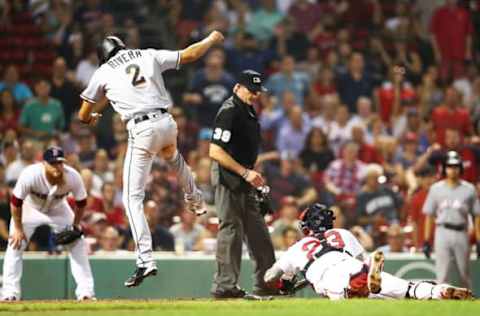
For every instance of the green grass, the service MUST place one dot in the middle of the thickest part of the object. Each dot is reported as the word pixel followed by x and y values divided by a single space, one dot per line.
pixel 279 307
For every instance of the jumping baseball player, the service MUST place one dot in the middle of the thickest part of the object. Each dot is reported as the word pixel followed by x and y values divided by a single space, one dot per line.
pixel 131 79
pixel 448 204
pixel 332 260
pixel 39 198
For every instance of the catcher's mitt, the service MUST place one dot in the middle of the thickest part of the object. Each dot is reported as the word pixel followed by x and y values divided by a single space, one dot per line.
pixel 358 287
pixel 67 236
pixel 288 286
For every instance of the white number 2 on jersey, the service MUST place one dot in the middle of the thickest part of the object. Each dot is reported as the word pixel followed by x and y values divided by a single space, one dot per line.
pixel 223 135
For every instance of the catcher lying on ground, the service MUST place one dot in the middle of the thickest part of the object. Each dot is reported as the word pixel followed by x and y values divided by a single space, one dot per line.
pixel 332 261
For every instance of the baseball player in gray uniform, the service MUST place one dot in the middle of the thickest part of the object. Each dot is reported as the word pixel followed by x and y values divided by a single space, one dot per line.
pixel 448 204
pixel 131 79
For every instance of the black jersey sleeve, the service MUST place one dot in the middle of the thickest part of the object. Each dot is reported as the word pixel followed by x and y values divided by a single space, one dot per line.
pixel 223 126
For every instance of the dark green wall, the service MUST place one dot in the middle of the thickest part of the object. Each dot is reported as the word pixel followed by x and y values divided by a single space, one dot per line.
pixel 49 277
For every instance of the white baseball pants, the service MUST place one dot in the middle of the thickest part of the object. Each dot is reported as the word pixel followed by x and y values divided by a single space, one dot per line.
pixel 58 220
pixel 145 139
pixel 332 280
pixel 397 288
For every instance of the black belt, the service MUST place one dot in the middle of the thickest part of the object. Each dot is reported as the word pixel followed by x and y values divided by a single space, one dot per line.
pixel 457 227
pixel 45 196
pixel 326 249
pixel 145 117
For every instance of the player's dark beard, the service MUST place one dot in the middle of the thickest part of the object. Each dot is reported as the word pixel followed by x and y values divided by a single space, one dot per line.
pixel 55 177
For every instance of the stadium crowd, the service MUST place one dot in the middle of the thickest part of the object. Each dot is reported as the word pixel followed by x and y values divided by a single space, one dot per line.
pixel 365 97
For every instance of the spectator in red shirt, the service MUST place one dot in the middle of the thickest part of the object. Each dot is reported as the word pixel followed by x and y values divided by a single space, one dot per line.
pixel 366 152
pixel 435 156
pixel 305 14
pixel 115 214
pixel 325 82
pixel 386 94
pixel 8 112
pixel 415 217
pixel 451 116
pixel 451 29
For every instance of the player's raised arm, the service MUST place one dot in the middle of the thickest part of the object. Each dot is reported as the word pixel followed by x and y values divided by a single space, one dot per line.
pixel 197 50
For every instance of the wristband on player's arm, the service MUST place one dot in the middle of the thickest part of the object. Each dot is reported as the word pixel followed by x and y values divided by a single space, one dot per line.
pixel 16 201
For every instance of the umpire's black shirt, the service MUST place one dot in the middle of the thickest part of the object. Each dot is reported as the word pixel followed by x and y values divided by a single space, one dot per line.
pixel 237 131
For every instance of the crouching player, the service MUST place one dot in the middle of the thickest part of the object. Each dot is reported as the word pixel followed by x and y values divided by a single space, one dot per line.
pixel 39 198
pixel 334 263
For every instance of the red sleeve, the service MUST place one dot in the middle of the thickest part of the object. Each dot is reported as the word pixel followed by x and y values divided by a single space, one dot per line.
pixel 468 127
pixel 434 22
pixel 435 117
pixel 16 201
pixel 81 203
pixel 469 29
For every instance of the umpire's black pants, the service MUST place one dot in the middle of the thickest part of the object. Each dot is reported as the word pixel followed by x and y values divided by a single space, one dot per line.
pixel 240 220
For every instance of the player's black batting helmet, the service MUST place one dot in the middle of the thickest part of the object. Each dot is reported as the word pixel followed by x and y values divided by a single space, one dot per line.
pixel 109 46
pixel 316 220
pixel 452 159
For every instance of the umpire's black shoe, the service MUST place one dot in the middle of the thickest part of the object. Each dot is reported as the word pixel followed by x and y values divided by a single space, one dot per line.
pixel 140 273
pixel 236 292
pixel 269 292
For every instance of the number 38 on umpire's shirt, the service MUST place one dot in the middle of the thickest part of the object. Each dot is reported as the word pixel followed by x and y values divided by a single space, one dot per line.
pixel 237 131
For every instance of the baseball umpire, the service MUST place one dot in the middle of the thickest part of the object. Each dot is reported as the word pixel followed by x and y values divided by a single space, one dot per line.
pixel 448 204
pixel 40 198
pixel 131 79
pixel 234 148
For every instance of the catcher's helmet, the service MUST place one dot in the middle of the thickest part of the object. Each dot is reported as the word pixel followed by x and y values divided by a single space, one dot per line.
pixel 316 220
pixel 109 46
pixel 452 159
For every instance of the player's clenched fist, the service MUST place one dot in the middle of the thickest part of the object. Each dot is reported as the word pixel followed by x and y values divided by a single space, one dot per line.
pixel 216 37
pixel 17 238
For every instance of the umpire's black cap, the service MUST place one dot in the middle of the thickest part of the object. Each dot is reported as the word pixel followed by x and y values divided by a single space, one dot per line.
pixel 54 154
pixel 252 80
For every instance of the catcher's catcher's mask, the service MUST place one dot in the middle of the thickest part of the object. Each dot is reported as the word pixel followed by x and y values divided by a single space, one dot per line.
pixel 316 220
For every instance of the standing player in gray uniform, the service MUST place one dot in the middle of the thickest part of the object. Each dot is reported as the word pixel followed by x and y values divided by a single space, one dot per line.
pixel 448 204
pixel 131 79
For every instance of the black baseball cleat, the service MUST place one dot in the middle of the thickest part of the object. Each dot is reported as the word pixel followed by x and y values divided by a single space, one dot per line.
pixel 269 292
pixel 10 298
pixel 140 273
pixel 374 280
pixel 235 292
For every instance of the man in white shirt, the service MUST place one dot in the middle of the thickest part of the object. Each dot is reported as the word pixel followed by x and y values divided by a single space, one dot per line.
pixel 27 157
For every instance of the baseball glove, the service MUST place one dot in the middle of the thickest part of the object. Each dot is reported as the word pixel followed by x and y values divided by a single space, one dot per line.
pixel 67 236
pixel 358 287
